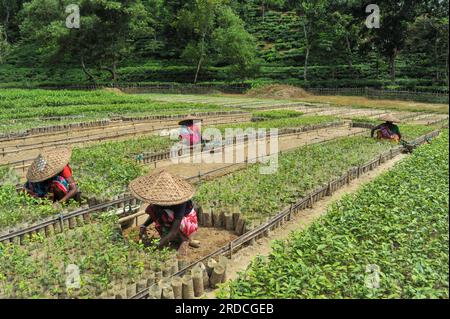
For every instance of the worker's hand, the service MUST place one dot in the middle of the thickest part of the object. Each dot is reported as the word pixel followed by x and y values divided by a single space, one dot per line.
pixel 142 232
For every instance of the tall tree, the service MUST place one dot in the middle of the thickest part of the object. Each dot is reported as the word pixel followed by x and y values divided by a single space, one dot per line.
pixel 234 45
pixel 390 38
pixel 4 45
pixel 9 18
pixel 428 36
pixel 345 30
pixel 312 13
pixel 105 37
pixel 198 22
pixel 210 26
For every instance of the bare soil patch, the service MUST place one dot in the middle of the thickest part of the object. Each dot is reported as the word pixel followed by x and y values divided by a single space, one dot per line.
pixel 113 90
pixel 210 240
pixel 278 91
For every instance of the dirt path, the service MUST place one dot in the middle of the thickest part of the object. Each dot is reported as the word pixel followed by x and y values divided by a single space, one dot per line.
pixel 189 170
pixel 349 112
pixel 262 247
pixel 428 119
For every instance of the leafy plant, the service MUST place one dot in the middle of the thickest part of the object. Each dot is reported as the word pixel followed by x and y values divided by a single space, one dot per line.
pixel 16 208
pixel 276 114
pixel 24 109
pixel 396 225
pixel 106 262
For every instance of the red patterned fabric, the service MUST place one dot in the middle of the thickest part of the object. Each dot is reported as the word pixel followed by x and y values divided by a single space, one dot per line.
pixel 61 183
pixel 189 223
pixel 66 172
pixel 190 134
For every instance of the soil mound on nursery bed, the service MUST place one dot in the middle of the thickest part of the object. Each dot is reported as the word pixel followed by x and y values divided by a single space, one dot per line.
pixel 278 91
pixel 210 240
pixel 113 90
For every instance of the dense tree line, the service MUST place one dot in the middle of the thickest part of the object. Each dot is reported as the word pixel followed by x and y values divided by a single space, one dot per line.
pixel 223 33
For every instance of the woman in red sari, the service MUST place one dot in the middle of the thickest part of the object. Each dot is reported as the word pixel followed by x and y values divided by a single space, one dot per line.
pixel 50 176
pixel 170 209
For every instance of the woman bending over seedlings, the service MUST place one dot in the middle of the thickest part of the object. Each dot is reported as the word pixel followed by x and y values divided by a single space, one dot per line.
pixel 170 209
pixel 190 134
pixel 388 130
pixel 50 176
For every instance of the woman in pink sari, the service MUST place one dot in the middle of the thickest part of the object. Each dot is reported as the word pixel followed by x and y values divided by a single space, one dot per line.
pixel 190 131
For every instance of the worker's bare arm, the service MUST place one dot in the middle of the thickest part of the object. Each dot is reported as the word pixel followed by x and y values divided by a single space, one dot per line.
pixel 372 131
pixel 165 241
pixel 148 222
pixel 143 228
pixel 73 189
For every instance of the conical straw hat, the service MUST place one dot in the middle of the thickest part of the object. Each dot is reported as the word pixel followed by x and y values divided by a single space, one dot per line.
pixel 162 189
pixel 189 118
pixel 389 118
pixel 48 164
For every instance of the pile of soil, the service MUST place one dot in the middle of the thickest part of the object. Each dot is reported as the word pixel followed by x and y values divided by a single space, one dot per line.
pixel 278 91
pixel 113 90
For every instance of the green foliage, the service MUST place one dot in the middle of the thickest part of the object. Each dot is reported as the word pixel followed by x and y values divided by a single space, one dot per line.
pixel 235 46
pixel 399 223
pixel 105 37
pixel 106 261
pixel 18 207
pixel 106 169
pixel 4 45
pixel 390 38
pixel 220 40
pixel 20 109
pixel 214 33
pixel 276 114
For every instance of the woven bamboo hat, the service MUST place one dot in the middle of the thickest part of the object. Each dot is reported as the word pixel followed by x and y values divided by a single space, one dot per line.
pixel 48 164
pixel 162 189
pixel 390 118
pixel 188 119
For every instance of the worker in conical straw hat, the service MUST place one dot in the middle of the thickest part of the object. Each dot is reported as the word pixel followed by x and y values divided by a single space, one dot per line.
pixel 190 130
pixel 171 208
pixel 50 176
pixel 388 130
